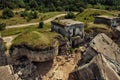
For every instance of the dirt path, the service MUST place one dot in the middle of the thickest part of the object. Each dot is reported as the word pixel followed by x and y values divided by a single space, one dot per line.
pixel 28 24
pixel 8 40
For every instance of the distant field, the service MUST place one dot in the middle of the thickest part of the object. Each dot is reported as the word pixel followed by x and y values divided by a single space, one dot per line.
pixel 89 14
pixel 15 31
pixel 20 20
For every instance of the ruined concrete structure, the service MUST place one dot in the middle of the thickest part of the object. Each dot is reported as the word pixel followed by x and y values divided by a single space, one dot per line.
pixel 32 54
pixel 98 69
pixel 2 55
pixel 103 56
pixel 108 20
pixel 73 30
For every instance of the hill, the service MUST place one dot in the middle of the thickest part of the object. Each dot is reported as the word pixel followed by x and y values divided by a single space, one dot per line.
pixel 89 14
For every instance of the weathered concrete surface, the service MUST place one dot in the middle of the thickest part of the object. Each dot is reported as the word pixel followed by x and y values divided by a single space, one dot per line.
pixel 100 61
pixel 7 73
pixel 98 69
pixel 33 55
pixel 2 55
pixel 102 44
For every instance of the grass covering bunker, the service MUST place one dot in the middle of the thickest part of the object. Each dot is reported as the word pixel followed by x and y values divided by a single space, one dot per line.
pixel 37 46
pixel 36 39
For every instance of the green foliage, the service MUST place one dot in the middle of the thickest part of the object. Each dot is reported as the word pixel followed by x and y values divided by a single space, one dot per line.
pixel 60 5
pixel 16 31
pixel 29 15
pixel 33 4
pixel 7 13
pixel 89 14
pixel 70 15
pixel 41 24
pixel 2 26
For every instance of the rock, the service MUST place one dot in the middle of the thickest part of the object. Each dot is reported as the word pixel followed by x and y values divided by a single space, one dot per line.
pixel 7 73
pixel 99 68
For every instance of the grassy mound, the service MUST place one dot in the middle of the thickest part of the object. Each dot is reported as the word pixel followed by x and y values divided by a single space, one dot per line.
pixel 100 27
pixel 89 14
pixel 37 39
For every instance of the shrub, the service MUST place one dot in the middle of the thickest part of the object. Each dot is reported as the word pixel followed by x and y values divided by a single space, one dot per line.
pixel 34 15
pixel 41 24
pixel 70 15
pixel 7 13
pixel 2 26
pixel 23 14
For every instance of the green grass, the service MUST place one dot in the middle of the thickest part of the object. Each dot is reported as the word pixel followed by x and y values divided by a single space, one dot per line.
pixel 15 31
pixel 89 14
pixel 20 20
pixel 37 39
pixel 99 27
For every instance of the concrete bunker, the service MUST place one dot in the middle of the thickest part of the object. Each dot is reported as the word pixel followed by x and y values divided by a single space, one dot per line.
pixel 73 30
pixel 42 48
pixel 108 20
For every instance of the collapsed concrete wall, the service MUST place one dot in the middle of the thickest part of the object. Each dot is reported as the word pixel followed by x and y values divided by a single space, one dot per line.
pixel 103 46
pixel 97 69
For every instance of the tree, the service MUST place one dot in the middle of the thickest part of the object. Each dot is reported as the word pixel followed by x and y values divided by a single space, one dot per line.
pixel 7 13
pixel 2 26
pixel 70 15
pixel 41 24
pixel 33 4
pixel 34 14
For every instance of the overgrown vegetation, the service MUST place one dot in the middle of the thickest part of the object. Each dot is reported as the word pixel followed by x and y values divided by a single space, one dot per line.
pixel 7 13
pixel 41 24
pixel 89 14
pixel 36 39
pixel 23 17
pixel 70 15
pixel 60 5
pixel 15 31
pixel 2 26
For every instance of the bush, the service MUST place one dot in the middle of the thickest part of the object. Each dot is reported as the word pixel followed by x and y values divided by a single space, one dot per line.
pixel 70 15
pixel 29 15
pixel 41 24
pixel 34 15
pixel 23 14
pixel 2 26
pixel 81 9
pixel 7 13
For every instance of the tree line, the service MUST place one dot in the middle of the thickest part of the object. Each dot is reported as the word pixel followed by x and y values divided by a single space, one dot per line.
pixel 59 5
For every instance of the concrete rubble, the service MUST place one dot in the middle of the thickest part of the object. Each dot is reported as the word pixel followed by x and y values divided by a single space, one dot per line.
pixel 98 69
pixel 103 46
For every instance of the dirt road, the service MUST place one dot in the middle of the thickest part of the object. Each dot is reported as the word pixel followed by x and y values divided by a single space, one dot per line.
pixel 28 24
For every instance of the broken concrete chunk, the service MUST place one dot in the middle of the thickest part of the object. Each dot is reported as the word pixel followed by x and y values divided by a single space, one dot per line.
pixel 102 44
pixel 7 73
pixel 98 69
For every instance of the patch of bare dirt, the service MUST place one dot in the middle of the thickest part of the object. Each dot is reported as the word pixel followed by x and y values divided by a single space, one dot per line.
pixel 58 69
